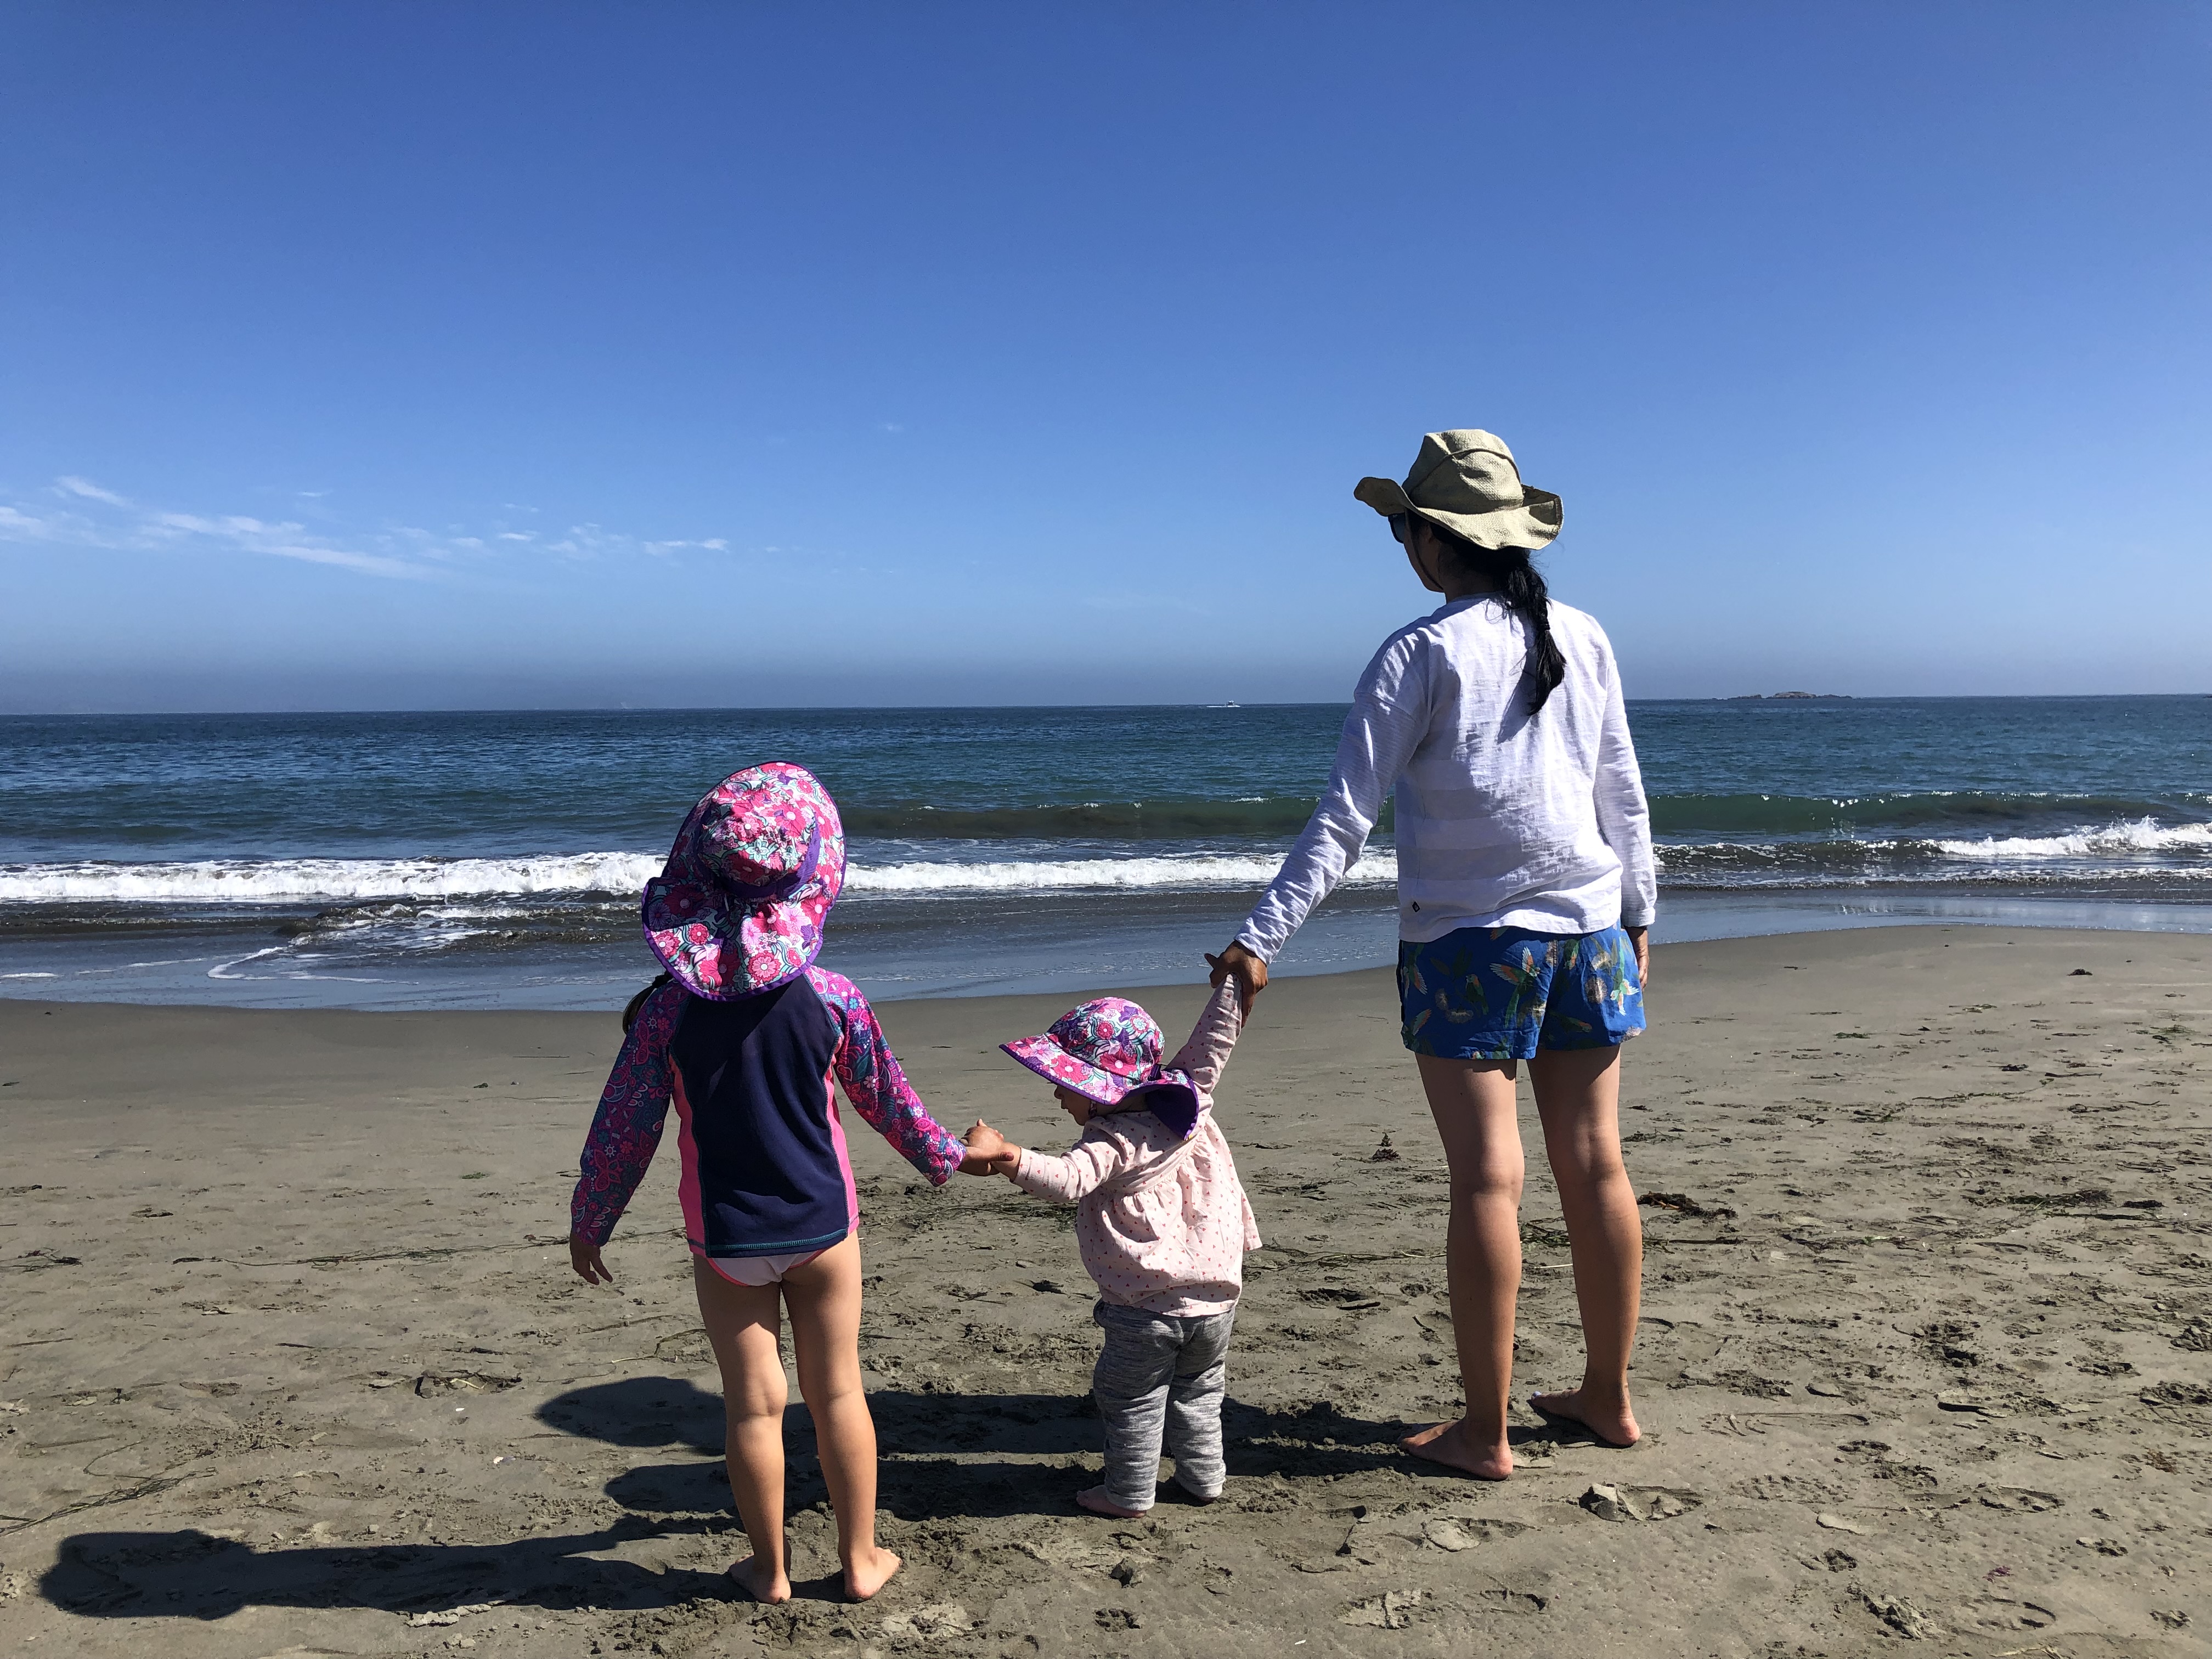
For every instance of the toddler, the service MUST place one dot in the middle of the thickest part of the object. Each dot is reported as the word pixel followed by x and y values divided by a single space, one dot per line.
pixel 1164 1225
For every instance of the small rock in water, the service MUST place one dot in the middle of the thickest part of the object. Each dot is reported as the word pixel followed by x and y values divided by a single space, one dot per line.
pixel 1385 1154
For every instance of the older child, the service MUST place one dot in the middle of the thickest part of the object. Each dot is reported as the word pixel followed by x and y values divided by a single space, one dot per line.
pixel 744 1034
pixel 1163 1224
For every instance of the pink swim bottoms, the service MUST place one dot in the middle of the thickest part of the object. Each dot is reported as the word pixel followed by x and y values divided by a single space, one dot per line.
pixel 758 1270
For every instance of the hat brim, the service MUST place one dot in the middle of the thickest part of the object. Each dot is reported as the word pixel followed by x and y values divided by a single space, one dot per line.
pixel 1532 524
pixel 725 952
pixel 1055 1065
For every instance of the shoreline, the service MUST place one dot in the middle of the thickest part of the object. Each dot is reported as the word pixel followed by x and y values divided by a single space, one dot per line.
pixel 939 949
pixel 295 1361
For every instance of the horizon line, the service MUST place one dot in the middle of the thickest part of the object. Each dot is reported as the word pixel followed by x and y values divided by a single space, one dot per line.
pixel 969 708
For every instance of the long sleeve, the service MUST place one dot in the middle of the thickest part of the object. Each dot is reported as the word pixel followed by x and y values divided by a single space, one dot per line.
pixel 1390 714
pixel 626 1130
pixel 873 1080
pixel 1205 1056
pixel 1095 1159
pixel 1623 817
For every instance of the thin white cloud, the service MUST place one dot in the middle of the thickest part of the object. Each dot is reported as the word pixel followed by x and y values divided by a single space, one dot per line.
pixel 100 517
pixel 85 489
pixel 280 541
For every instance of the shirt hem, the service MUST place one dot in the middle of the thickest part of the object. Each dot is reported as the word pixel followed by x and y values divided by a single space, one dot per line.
pixel 783 1247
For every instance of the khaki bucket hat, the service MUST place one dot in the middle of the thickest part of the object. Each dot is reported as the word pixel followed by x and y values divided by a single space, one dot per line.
pixel 1467 482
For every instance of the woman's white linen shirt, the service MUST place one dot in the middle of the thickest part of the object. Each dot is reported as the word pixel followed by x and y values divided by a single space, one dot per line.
pixel 1501 820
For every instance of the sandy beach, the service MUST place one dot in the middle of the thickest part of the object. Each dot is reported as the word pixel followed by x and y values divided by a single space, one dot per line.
pixel 293 1363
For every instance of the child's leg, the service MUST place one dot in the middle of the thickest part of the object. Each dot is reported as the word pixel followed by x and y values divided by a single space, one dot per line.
pixel 1131 1386
pixel 824 1299
pixel 1194 1405
pixel 744 1327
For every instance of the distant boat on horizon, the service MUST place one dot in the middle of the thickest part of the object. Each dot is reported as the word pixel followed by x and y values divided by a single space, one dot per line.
pixel 1224 705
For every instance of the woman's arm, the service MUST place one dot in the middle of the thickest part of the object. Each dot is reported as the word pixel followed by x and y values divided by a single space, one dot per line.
pixel 877 1086
pixel 1623 818
pixel 626 1129
pixel 1389 716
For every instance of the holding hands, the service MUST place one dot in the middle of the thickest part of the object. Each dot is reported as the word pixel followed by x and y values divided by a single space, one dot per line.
pixel 989 1152
pixel 1237 963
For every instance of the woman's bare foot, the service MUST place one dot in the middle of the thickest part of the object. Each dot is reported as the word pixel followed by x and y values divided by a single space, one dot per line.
pixel 1095 1500
pixel 1612 1425
pixel 1447 1444
pixel 868 1572
pixel 760 1581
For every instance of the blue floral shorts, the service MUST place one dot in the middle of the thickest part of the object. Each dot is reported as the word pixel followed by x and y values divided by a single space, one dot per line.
pixel 1504 993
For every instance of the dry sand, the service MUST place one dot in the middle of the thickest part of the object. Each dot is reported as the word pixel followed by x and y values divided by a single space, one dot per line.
pixel 293 1363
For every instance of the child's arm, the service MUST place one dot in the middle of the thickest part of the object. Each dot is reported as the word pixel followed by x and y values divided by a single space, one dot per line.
pixel 877 1088
pixel 1096 1158
pixel 625 1132
pixel 1206 1056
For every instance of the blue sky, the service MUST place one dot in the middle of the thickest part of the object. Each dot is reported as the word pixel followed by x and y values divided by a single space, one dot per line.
pixel 401 355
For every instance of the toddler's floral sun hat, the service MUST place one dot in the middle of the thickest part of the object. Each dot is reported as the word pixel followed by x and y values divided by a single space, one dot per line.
pixel 1105 1049
pixel 755 868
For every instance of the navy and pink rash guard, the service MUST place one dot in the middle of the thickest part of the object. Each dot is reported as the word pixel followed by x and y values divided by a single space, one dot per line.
pixel 765 1167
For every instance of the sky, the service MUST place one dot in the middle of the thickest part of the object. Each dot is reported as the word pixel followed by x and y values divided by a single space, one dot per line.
pixel 683 354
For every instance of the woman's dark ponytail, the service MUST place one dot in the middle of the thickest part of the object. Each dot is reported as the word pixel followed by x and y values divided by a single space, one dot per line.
pixel 1511 572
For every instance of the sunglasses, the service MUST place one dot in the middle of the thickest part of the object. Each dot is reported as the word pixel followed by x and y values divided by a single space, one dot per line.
pixel 1401 524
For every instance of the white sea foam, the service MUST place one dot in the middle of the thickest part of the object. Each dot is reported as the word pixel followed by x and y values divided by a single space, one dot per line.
pixel 237 881
pixel 2136 836
pixel 248 881
pixel 1191 871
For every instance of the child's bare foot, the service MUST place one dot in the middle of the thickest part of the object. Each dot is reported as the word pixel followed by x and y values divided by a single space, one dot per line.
pixel 1095 1500
pixel 868 1572
pixel 1447 1444
pixel 1612 1425
pixel 760 1581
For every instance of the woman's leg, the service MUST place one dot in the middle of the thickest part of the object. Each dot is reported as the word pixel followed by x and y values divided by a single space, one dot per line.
pixel 1473 1102
pixel 744 1327
pixel 824 1299
pixel 1578 1097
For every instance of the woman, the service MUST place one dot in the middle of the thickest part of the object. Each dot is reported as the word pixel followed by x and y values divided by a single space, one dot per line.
pixel 1524 893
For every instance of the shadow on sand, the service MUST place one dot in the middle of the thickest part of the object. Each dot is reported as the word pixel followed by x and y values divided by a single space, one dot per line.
pixel 931 1470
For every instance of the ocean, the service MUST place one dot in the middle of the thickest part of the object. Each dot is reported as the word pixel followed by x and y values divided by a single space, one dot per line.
pixel 495 859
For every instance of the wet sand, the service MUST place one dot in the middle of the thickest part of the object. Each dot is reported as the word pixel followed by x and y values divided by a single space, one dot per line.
pixel 293 1362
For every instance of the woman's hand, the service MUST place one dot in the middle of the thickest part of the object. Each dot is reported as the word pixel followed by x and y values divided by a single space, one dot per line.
pixel 585 1259
pixel 1639 940
pixel 1238 964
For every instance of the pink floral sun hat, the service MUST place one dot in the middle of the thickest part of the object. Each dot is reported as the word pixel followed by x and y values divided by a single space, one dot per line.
pixel 1104 1050
pixel 755 868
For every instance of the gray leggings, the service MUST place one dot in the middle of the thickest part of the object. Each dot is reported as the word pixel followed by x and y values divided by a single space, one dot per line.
pixel 1161 1372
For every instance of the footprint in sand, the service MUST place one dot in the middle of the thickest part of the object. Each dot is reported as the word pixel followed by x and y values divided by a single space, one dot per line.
pixel 1612 1503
